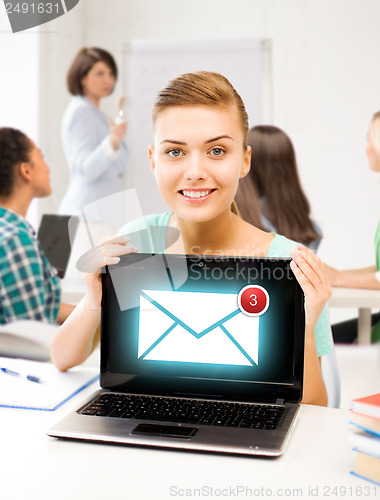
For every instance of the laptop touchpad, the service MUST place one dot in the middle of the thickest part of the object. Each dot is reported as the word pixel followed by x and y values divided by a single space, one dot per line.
pixel 165 430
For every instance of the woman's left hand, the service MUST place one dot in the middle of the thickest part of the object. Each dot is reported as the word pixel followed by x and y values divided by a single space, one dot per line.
pixel 309 271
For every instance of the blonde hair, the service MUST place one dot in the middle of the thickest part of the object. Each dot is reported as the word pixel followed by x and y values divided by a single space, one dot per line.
pixel 374 131
pixel 201 88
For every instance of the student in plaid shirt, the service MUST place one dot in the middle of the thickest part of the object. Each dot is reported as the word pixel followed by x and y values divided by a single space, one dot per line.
pixel 29 285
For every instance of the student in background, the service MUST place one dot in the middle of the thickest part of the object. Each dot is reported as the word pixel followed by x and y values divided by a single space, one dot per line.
pixel 94 144
pixel 29 285
pixel 198 156
pixel 368 277
pixel 271 195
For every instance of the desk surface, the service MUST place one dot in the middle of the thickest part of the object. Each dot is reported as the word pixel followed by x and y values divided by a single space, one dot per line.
pixel 38 467
pixel 318 459
pixel 354 297
pixel 359 369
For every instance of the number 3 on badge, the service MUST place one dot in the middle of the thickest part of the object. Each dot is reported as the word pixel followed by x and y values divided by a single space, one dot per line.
pixel 253 300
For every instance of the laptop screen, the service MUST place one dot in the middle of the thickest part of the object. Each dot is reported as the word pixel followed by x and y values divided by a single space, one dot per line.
pixel 53 234
pixel 191 324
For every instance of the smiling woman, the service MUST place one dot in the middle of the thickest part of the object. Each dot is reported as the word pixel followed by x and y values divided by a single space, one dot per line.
pixel 198 156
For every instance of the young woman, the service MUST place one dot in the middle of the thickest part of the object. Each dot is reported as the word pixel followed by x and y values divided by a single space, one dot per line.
pixel 271 196
pixel 368 277
pixel 29 285
pixel 93 143
pixel 198 156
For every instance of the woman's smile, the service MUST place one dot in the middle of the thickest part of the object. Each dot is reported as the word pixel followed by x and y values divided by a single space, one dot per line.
pixel 194 195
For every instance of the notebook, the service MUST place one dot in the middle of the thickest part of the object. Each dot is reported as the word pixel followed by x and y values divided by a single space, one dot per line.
pixel 56 234
pixel 197 353
pixel 35 385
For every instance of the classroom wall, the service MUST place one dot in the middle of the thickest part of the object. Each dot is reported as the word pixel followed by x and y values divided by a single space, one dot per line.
pixel 325 88
pixel 19 56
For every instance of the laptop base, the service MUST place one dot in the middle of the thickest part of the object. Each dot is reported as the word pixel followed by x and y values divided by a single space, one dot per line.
pixel 174 435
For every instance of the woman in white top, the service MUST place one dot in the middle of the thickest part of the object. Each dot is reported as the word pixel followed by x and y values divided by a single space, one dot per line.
pixel 93 143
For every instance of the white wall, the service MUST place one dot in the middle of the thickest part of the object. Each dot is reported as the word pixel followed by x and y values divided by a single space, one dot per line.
pixel 326 85
pixel 59 41
pixel 19 84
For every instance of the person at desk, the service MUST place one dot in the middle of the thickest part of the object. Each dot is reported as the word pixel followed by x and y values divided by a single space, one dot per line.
pixel 29 285
pixel 198 156
pixel 369 277
pixel 93 144
pixel 271 196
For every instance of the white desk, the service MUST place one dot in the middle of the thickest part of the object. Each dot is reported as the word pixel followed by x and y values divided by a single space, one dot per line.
pixel 72 294
pixel 364 300
pixel 359 370
pixel 37 467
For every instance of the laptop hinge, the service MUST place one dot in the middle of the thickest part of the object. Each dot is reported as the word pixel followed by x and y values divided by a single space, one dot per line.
pixel 279 401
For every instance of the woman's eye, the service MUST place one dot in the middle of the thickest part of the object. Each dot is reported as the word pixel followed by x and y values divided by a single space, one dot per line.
pixel 217 151
pixel 174 152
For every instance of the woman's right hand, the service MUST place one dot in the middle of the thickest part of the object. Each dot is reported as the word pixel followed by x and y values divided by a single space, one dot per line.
pixel 106 253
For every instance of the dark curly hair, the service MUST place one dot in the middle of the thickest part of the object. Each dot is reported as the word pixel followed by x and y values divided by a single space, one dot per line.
pixel 15 148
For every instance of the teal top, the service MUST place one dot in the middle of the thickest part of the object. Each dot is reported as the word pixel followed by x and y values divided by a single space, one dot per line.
pixel 377 247
pixel 151 234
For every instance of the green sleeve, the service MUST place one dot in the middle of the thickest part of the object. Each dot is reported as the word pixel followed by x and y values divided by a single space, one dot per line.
pixel 377 247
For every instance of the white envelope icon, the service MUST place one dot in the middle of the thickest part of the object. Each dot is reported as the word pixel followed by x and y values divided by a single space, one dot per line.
pixel 196 327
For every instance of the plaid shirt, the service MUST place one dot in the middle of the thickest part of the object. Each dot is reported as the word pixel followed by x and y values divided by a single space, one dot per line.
pixel 29 285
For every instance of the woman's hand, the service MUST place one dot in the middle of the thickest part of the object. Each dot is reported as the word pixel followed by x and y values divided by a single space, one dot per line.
pixel 118 131
pixel 309 271
pixel 105 254
pixel 80 333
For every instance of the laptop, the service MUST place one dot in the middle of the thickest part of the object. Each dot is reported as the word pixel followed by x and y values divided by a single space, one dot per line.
pixel 54 234
pixel 198 353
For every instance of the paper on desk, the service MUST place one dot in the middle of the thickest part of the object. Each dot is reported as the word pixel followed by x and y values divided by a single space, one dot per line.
pixel 27 339
pixel 55 389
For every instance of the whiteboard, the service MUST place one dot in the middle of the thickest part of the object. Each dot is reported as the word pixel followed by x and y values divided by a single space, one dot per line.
pixel 149 64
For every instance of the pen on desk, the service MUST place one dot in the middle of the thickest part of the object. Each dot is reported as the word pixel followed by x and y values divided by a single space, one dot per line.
pixel 31 378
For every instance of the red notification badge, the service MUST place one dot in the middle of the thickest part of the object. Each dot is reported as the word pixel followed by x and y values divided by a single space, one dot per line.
pixel 253 300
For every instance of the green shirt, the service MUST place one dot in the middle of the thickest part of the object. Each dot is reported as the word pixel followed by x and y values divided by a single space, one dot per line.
pixel 150 234
pixel 377 247
pixel 29 285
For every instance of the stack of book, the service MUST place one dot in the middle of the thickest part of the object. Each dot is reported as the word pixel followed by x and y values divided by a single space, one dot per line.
pixel 365 440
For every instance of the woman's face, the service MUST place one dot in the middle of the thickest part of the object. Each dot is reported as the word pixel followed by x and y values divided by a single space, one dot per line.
pixel 39 173
pixel 373 160
pixel 197 158
pixel 99 82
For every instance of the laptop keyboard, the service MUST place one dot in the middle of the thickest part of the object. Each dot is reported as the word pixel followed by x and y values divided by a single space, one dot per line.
pixel 191 411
